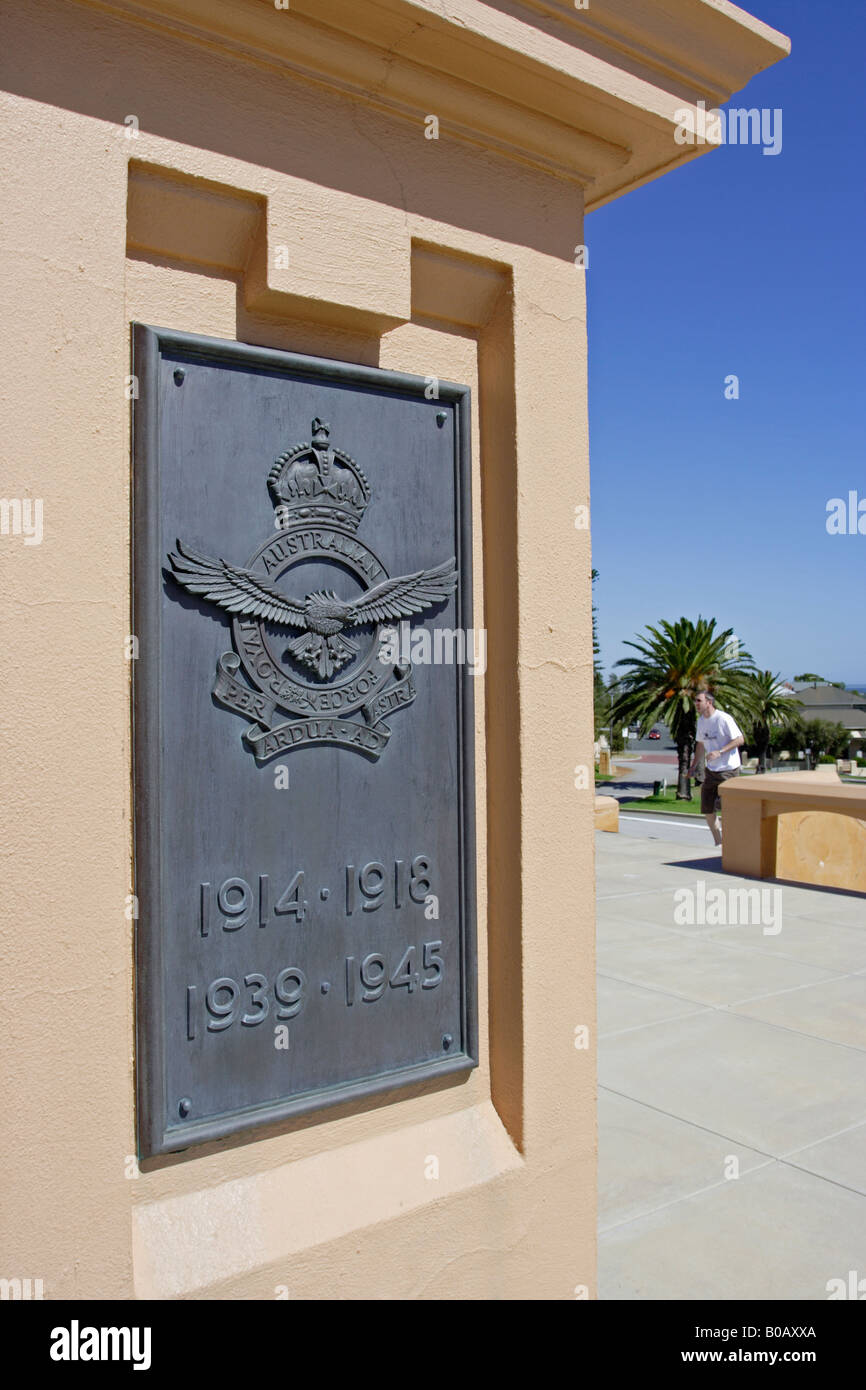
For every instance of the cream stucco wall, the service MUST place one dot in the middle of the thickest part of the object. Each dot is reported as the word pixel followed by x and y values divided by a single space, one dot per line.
pixel 450 257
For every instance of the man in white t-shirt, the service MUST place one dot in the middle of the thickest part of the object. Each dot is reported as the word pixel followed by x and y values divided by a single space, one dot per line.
pixel 721 740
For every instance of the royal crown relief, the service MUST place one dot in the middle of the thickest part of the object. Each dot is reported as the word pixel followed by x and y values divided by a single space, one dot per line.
pixel 320 496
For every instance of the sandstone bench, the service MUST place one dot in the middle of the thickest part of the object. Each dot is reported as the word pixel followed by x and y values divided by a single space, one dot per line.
pixel 606 813
pixel 807 827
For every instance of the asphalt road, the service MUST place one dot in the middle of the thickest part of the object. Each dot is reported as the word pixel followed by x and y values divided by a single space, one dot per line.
pixel 657 762
pixel 653 745
pixel 685 830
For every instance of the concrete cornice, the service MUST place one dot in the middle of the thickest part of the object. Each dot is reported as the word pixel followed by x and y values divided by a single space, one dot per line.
pixel 588 96
pixel 708 47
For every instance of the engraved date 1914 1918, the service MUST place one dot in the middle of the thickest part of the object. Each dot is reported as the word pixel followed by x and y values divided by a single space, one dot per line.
pixel 235 903
pixel 367 979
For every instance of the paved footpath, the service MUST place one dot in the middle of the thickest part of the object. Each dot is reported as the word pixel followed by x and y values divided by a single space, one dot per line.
pixel 732 1081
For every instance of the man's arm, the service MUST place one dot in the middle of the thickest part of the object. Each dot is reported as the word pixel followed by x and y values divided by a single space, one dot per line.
pixel 699 749
pixel 726 748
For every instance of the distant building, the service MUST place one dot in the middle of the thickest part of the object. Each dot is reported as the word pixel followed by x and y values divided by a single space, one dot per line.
pixel 837 706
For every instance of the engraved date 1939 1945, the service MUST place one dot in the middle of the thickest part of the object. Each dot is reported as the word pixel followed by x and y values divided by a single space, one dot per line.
pixel 366 979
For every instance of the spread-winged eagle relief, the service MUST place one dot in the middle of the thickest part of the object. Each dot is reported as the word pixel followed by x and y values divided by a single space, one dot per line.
pixel 322 615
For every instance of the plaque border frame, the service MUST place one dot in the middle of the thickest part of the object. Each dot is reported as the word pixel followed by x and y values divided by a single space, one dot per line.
pixel 146 561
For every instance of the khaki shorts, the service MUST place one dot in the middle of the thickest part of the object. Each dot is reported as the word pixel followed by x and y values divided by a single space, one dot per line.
pixel 710 799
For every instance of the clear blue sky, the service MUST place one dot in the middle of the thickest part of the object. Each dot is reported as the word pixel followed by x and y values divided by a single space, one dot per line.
pixel 751 264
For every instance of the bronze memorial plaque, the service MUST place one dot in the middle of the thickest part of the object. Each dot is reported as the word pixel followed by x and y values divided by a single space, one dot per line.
pixel 303 721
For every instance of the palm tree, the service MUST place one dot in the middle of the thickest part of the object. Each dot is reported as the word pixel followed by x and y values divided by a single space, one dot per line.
pixel 601 699
pixel 768 707
pixel 674 659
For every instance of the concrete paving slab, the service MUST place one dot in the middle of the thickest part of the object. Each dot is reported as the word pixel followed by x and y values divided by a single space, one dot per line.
pixel 702 970
pixel 766 1087
pixel 841 1159
pixel 646 852
pixel 811 940
pixel 802 900
pixel 820 905
pixel 775 1233
pixel 772 1061
pixel 690 862
pixel 846 908
pixel 835 1010
pixel 635 849
pixel 676 1159
pixel 635 881
pixel 656 908
pixel 682 835
pixel 624 928
pixel 622 1006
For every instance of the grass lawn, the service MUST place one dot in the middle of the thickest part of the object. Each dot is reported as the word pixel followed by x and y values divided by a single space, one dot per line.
pixel 665 803
pixel 605 777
